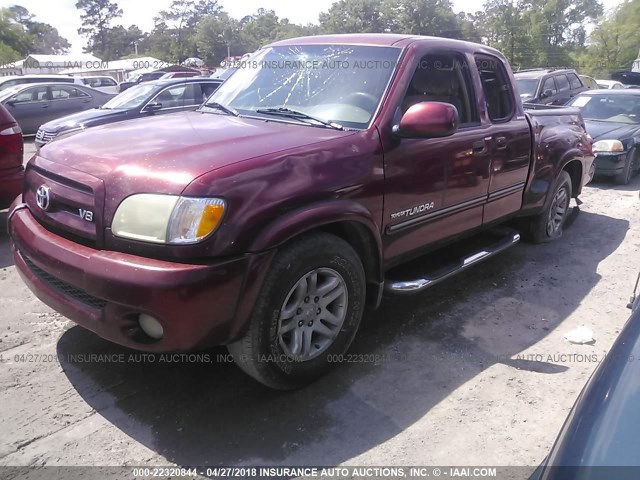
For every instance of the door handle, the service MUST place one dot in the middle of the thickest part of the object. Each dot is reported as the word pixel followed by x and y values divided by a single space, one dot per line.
pixel 501 143
pixel 479 146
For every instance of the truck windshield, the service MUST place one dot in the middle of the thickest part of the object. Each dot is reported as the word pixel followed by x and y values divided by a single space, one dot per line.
pixel 341 84
pixel 527 87
pixel 608 108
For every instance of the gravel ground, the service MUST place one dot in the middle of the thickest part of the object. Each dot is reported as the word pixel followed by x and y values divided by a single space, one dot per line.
pixel 474 371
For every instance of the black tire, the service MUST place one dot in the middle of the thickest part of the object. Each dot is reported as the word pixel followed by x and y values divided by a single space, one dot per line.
pixel 624 177
pixel 267 352
pixel 538 229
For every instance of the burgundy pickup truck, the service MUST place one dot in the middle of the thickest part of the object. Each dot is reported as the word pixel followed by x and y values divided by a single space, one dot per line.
pixel 271 217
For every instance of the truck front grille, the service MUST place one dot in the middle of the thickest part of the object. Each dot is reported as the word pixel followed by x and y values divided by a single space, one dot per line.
pixel 74 202
pixel 65 288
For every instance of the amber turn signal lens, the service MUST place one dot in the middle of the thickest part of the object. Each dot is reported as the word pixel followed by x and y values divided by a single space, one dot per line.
pixel 211 216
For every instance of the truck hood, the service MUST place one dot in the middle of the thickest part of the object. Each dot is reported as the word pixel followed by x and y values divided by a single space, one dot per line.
pixel 164 154
pixel 611 130
pixel 83 119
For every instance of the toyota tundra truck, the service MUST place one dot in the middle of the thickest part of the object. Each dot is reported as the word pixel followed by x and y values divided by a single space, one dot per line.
pixel 272 218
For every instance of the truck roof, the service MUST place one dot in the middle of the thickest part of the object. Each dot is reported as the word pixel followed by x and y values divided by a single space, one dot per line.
pixel 383 39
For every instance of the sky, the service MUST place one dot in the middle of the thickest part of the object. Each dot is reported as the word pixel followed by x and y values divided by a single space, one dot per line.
pixel 63 15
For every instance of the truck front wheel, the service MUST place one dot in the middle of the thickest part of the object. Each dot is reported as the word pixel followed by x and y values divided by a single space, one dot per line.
pixel 547 226
pixel 306 315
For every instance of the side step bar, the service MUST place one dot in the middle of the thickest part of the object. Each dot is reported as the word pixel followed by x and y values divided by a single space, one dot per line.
pixel 508 238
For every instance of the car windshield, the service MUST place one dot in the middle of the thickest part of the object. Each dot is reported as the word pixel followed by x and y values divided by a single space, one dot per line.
pixel 342 84
pixel 608 108
pixel 527 86
pixel 132 98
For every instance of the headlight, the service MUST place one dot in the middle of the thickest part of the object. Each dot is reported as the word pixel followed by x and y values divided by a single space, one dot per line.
pixel 608 146
pixel 167 218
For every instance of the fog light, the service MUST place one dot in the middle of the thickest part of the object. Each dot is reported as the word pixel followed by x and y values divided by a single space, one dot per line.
pixel 150 326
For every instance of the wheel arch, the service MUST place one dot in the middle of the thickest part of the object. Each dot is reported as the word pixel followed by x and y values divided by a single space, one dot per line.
pixel 347 220
pixel 575 170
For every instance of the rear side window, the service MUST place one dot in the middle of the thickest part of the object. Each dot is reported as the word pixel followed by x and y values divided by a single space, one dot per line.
pixel 574 81
pixel 497 88
pixel 549 84
pixel 64 92
pixel 563 83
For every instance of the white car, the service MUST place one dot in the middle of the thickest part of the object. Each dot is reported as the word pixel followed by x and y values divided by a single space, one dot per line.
pixel 104 83
pixel 609 84
pixel 13 80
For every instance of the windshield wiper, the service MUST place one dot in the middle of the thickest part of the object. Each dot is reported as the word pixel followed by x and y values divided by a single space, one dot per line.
pixel 287 112
pixel 224 108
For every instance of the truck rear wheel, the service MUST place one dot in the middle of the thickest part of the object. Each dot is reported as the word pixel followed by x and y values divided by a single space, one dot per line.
pixel 548 225
pixel 306 314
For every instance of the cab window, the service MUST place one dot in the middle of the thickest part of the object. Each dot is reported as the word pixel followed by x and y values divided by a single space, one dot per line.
pixel 443 77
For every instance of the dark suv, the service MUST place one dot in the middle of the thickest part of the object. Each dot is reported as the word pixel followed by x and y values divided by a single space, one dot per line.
pixel 548 86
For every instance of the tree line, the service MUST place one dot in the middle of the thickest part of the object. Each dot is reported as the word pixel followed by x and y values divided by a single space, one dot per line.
pixel 530 33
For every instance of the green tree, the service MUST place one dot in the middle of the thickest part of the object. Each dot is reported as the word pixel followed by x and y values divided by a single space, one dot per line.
pixel 96 21
pixel 216 36
pixel 614 43
pixel 422 17
pixel 259 29
pixel 353 16
pixel 180 23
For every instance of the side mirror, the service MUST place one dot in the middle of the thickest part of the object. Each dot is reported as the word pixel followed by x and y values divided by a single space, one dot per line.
pixel 152 107
pixel 546 93
pixel 428 120
pixel 10 102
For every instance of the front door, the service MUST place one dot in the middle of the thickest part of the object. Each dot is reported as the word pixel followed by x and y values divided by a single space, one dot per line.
pixel 437 187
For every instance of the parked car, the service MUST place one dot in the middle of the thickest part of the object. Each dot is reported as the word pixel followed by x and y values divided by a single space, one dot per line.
pixel 270 217
pixel 11 153
pixel 609 84
pixel 150 98
pixel 612 118
pixel 179 75
pixel 548 86
pixel 139 78
pixel 104 83
pixel 13 80
pixel 589 82
pixel 598 441
pixel 34 104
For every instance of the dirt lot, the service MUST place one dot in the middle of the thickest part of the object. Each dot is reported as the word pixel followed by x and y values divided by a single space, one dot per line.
pixel 473 372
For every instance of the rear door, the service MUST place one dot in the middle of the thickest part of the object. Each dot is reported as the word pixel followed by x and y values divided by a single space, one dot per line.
pixel 67 99
pixel 508 138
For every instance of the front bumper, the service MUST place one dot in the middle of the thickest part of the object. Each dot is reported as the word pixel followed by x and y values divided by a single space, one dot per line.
pixel 11 181
pixel 198 305
pixel 610 163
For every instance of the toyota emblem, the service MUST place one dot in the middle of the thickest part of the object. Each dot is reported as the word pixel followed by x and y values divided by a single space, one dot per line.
pixel 43 197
